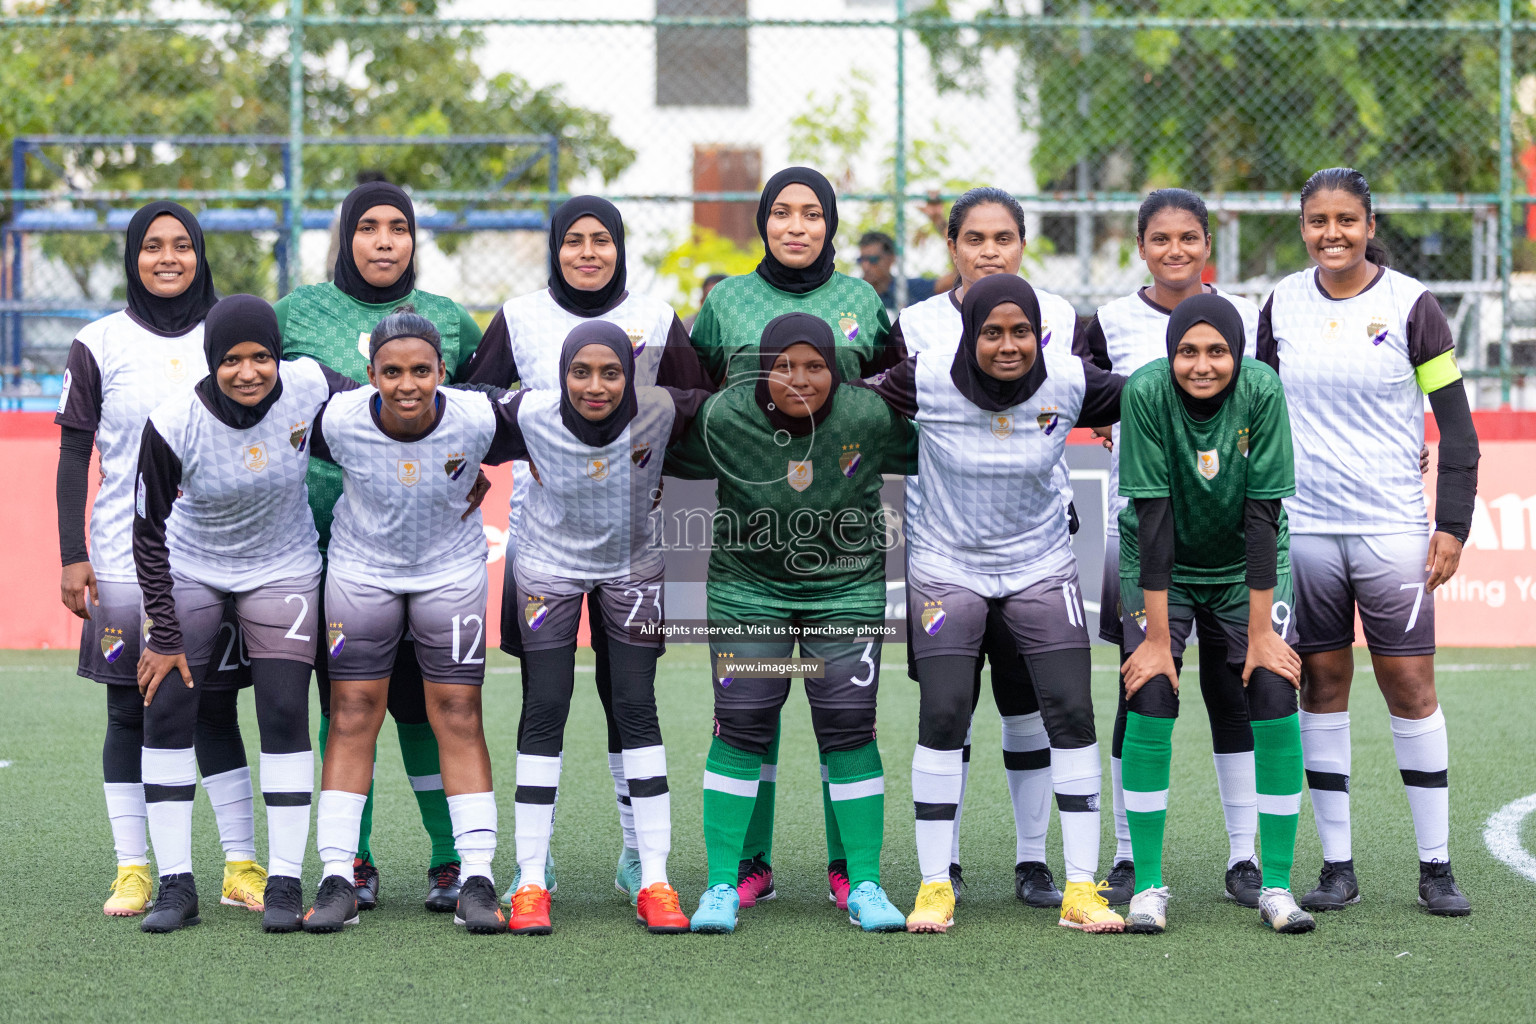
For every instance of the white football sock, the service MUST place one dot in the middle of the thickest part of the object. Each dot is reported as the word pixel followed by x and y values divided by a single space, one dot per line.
pixel 1325 754
pixel 936 782
pixel 287 786
pixel 338 822
pixel 1027 763
pixel 645 769
pixel 125 813
pixel 1238 786
pixel 1077 778
pixel 234 810
pixel 1423 758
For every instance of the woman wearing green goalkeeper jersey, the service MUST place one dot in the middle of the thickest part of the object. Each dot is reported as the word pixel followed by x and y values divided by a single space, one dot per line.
pixel 797 220
pixel 797 557
pixel 1205 458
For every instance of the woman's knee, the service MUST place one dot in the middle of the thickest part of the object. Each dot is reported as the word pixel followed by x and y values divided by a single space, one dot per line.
pixel 749 729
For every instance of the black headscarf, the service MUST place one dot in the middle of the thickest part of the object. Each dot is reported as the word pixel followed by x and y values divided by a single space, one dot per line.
pixel 1222 315
pixel 980 388
pixel 234 321
pixel 805 279
pixel 605 431
pixel 347 276
pixel 177 315
pixel 780 334
pixel 571 299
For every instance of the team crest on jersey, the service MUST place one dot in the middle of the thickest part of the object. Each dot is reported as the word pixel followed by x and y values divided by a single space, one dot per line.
pixel 256 457
pixel 454 467
pixel 597 469
pixel 176 369
pixel 640 455
pixel 362 345
pixel 1242 441
pixel 1002 425
pixel 1045 332
pixel 112 644
pixel 932 617
pixel 408 471
pixel 849 461
pixel 1048 419
pixel 335 639
pixel 800 474
pixel 298 435
pixel 1209 463
pixel 535 612
pixel 1333 329
pixel 636 339
pixel 848 323
pixel 1376 330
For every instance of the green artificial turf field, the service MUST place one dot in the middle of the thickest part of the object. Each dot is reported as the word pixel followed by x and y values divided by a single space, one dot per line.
pixel 796 958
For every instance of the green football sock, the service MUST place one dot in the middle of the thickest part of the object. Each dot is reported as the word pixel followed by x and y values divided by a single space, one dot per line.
pixel 759 837
pixel 835 851
pixel 1278 772
pixel 1144 763
pixel 730 786
pixel 365 827
pixel 856 794
pixel 418 749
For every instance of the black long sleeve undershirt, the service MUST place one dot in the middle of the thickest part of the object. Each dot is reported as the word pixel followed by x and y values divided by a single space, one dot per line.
pixel 1154 539
pixel 1261 541
pixel 1456 465
pixel 159 483
pixel 71 487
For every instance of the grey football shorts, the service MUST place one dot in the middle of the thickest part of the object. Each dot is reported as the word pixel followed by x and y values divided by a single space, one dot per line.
pixel 365 624
pixel 1382 577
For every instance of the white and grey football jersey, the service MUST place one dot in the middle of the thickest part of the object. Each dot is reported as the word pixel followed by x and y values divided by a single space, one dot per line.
pixel 536 329
pixel 398 524
pixel 1133 331
pixel 934 325
pixel 243 516
pixel 1357 413
pixel 588 518
pixel 989 502
pixel 117 373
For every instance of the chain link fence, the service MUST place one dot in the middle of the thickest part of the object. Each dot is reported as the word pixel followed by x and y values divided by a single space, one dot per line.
pixel 261 117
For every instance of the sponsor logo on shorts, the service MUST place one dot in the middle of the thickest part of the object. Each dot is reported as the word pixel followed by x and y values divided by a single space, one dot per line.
pixel 932 617
pixel 640 455
pixel 1048 419
pixel 335 639
pixel 175 369
pixel 1242 441
pixel 112 644
pixel 800 474
pixel 454 467
pixel 535 612
pixel 408 471
pixel 636 338
pixel 1376 330
pixel 597 469
pixel 298 435
pixel 1209 463
pixel 849 461
pixel 1002 425
pixel 848 323
pixel 256 457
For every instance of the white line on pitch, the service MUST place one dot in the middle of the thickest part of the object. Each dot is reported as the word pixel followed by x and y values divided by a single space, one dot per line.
pixel 1502 836
pixel 5 764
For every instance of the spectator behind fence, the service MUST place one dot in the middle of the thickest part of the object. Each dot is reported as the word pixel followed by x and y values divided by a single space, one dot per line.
pixel 877 256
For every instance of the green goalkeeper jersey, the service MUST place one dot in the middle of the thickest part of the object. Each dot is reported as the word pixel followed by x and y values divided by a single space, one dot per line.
pixel 1206 469
pixel 325 323
pixel 800 526
pixel 729 328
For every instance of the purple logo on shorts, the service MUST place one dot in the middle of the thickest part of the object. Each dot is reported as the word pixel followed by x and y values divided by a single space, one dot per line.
pixel 335 639
pixel 112 644
pixel 535 613
pixel 933 619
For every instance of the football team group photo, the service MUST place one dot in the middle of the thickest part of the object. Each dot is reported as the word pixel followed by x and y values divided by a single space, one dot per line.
pixel 994 476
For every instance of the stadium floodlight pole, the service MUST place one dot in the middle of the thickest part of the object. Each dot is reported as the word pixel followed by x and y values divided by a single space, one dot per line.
pixel 295 138
pixel 901 154
pixel 1506 196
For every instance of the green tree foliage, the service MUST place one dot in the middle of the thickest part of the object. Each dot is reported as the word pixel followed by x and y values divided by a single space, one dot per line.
pixel 1224 109
pixel 233 80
